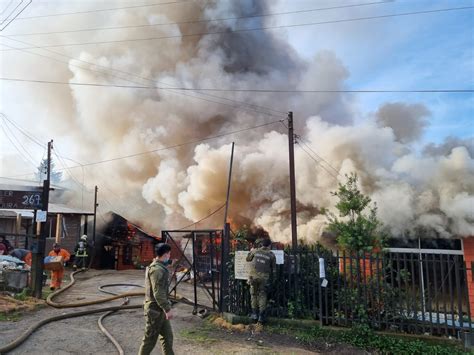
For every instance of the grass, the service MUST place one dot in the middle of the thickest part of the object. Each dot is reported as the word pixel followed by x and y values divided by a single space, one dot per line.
pixel 10 317
pixel 364 338
pixel 198 335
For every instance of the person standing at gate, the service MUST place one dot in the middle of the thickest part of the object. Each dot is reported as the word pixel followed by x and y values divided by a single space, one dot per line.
pixel 57 276
pixel 81 254
pixel 157 307
pixel 261 271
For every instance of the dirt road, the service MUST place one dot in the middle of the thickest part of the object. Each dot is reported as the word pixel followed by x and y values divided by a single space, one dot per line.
pixel 82 335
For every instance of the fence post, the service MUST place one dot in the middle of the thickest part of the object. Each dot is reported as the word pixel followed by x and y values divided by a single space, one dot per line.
pixel 225 250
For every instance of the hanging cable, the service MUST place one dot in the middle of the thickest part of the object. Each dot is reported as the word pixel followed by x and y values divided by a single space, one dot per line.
pixel 228 32
pixel 202 21
pixel 111 71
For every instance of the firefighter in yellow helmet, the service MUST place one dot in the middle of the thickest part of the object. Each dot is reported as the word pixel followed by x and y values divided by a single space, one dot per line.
pixel 81 254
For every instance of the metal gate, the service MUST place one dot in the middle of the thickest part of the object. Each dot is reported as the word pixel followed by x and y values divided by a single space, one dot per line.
pixel 199 275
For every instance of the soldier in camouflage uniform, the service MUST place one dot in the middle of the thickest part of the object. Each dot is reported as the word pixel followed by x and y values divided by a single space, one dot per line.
pixel 157 306
pixel 262 267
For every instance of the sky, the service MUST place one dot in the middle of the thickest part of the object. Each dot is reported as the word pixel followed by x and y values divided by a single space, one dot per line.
pixel 425 51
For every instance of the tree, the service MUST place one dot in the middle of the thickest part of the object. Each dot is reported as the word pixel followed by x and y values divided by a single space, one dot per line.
pixel 357 227
pixel 41 174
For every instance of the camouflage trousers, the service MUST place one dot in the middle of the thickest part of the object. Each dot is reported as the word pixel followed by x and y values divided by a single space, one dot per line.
pixel 258 293
pixel 156 326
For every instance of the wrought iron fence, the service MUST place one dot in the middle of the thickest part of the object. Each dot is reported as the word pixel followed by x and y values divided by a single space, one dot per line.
pixel 406 292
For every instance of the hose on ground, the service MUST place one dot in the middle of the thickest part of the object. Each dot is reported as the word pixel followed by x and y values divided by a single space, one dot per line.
pixel 32 329
pixel 102 317
pixel 49 299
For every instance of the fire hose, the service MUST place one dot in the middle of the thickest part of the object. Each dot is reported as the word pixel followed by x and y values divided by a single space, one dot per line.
pixel 110 310
pixel 49 300
pixel 101 325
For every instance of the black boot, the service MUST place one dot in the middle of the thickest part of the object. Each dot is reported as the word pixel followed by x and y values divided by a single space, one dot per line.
pixel 261 317
pixel 254 315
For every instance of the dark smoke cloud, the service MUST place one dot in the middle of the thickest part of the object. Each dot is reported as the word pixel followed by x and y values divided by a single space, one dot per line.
pixel 448 145
pixel 406 120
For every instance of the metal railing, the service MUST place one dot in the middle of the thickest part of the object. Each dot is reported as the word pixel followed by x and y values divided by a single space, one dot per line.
pixel 406 292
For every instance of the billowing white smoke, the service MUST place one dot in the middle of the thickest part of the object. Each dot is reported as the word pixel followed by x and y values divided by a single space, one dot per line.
pixel 170 188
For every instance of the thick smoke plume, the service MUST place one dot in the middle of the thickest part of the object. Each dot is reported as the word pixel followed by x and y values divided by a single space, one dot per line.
pixel 433 190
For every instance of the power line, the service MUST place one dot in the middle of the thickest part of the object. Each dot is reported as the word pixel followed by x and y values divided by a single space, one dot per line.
pixel 203 21
pixel 318 163
pixel 263 28
pixel 170 147
pixel 103 10
pixel 237 90
pixel 29 136
pixel 17 149
pixel 204 218
pixel 6 7
pixel 15 16
pixel 300 139
pixel 16 139
pixel 109 71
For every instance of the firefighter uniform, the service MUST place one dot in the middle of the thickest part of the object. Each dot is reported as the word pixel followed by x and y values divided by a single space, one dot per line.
pixel 155 307
pixel 81 255
pixel 263 265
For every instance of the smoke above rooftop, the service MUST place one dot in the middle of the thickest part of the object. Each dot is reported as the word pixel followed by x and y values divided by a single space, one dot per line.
pixel 431 188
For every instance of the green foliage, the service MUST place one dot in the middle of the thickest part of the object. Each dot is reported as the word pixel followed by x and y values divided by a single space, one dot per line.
pixel 357 227
pixel 240 238
pixel 198 335
pixel 10 317
pixel 361 336
pixel 23 295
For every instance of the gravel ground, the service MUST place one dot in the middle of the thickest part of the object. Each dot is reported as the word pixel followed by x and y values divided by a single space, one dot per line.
pixel 82 336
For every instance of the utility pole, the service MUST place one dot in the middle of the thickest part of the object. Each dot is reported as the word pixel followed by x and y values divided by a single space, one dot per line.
pixel 291 151
pixel 95 214
pixel 228 184
pixel 40 244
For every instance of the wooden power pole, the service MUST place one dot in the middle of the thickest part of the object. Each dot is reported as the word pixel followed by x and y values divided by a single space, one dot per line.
pixel 291 151
pixel 39 245
pixel 95 215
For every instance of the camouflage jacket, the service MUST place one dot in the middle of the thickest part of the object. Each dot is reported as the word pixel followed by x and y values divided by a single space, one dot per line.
pixel 157 285
pixel 263 263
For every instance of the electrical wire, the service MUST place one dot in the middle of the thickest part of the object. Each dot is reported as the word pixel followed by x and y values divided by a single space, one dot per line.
pixel 25 133
pixel 318 163
pixel 18 141
pixel 108 9
pixel 234 90
pixel 177 145
pixel 302 140
pixel 242 30
pixel 15 16
pixel 6 7
pixel 110 71
pixel 170 147
pixel 188 22
pixel 204 218
pixel 26 156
